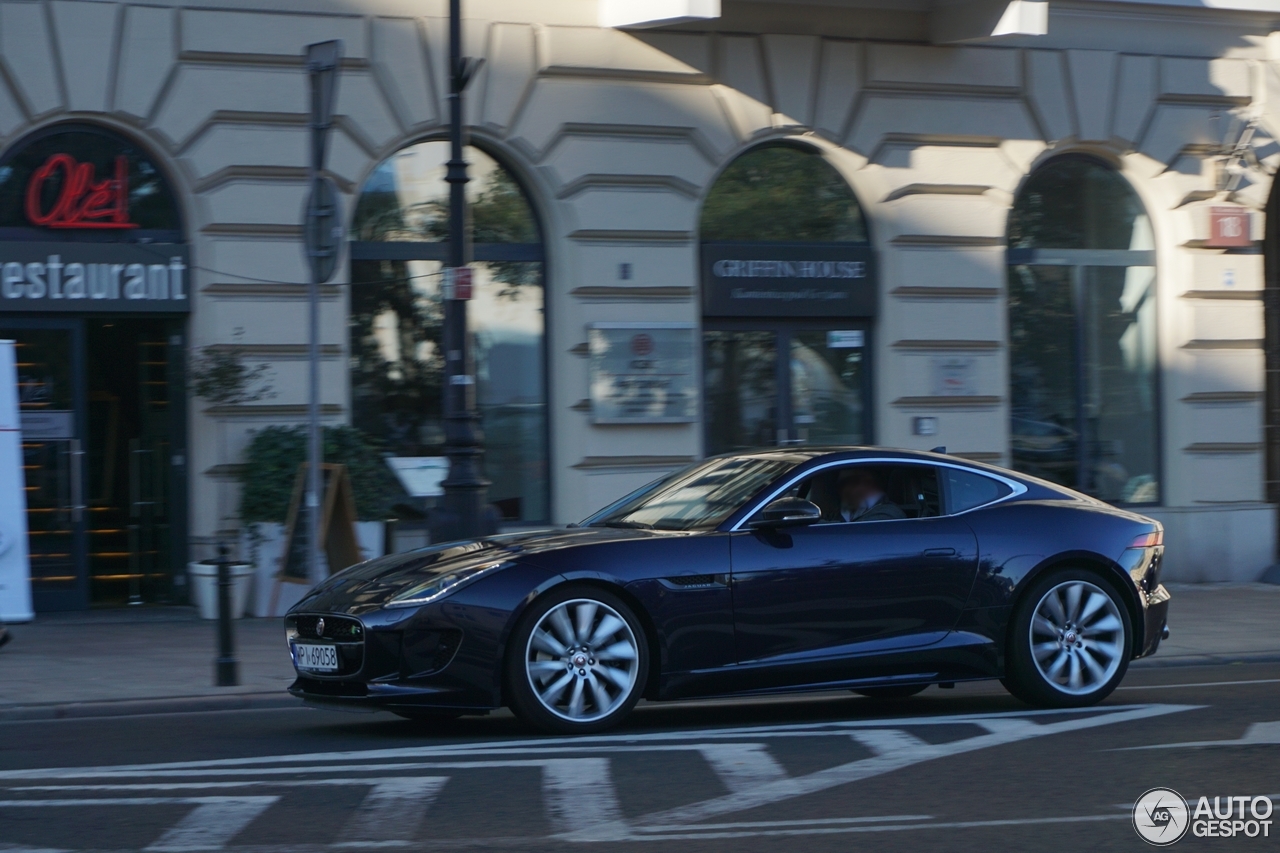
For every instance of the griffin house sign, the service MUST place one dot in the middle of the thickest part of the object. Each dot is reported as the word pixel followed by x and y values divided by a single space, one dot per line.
pixel 788 280
pixel 88 224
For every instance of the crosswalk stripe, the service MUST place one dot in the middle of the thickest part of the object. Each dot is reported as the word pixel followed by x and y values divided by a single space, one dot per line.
pixel 881 741
pixel 579 795
pixel 211 824
pixel 742 765
pixel 393 810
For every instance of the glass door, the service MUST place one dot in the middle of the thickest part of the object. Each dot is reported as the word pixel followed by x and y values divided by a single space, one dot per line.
pixel 818 394
pixel 827 387
pixel 50 388
pixel 1083 372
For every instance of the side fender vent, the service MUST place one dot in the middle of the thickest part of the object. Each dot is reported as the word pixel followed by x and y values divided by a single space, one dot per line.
pixel 695 581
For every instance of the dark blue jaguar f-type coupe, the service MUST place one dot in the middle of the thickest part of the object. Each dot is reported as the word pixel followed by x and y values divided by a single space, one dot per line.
pixel 877 571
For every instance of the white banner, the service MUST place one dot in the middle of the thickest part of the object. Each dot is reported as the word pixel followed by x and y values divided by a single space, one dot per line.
pixel 15 569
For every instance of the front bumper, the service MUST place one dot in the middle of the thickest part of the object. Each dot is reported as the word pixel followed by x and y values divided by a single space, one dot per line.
pixel 1156 620
pixel 392 659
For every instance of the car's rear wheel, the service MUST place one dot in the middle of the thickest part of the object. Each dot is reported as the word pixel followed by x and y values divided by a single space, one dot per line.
pixel 902 691
pixel 577 662
pixel 1070 640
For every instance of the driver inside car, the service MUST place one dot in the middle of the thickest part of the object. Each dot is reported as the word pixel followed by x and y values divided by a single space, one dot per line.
pixel 862 497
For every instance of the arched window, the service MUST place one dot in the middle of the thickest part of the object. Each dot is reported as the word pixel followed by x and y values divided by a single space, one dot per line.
pixel 1082 332
pixel 782 194
pixel 788 287
pixel 400 232
pixel 133 201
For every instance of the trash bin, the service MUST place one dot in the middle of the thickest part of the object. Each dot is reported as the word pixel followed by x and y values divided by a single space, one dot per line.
pixel 204 587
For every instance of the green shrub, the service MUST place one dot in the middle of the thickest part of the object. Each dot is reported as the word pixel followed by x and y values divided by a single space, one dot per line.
pixel 271 466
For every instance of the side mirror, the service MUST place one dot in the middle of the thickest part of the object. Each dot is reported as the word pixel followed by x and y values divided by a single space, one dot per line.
pixel 787 512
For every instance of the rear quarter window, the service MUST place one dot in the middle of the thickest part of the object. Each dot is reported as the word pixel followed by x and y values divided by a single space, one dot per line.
pixel 966 490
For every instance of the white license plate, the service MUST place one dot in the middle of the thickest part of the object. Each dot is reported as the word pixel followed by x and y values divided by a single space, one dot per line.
pixel 316 658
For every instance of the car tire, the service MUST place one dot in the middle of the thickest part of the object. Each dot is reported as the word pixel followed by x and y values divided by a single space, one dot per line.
pixel 1069 642
pixel 577 661
pixel 903 691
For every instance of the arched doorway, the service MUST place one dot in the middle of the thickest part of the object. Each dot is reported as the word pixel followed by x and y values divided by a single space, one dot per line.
pixel 94 288
pixel 400 234
pixel 788 298
pixel 1082 333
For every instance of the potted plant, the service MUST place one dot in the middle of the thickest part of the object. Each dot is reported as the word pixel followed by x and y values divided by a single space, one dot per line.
pixel 267 479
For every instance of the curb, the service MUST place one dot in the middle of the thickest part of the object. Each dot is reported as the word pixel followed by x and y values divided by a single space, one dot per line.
pixel 141 707
pixel 1225 659
pixel 280 699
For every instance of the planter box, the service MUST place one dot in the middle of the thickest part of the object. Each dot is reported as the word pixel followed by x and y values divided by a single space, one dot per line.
pixel 204 588
pixel 263 552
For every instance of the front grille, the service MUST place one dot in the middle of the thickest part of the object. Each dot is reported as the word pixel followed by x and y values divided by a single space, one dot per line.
pixel 339 629
pixel 345 633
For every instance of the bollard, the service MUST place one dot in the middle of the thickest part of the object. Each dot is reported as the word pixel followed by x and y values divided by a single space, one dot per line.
pixel 225 664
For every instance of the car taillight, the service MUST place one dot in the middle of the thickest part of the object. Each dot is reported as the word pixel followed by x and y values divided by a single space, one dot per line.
pixel 1149 540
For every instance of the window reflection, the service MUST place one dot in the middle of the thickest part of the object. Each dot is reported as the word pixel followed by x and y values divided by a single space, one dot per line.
pixel 1083 336
pixel 396 319
pixel 782 193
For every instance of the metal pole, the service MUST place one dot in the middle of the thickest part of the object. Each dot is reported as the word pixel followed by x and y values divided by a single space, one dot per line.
pixel 321 68
pixel 225 666
pixel 464 487
pixel 314 447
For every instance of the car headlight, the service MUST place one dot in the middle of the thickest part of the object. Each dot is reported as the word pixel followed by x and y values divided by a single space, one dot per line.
pixel 441 585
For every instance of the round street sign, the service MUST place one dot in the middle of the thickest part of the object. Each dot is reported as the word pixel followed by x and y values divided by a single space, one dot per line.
pixel 323 229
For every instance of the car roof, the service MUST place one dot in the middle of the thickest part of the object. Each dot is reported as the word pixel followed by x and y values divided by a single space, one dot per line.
pixel 830 453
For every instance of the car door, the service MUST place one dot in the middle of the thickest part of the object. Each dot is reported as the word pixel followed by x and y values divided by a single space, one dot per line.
pixel 820 596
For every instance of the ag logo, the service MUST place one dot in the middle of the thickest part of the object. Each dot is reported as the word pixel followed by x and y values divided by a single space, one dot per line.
pixel 1161 816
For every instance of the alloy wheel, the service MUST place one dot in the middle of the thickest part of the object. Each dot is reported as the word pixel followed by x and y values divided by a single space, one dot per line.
pixel 1077 637
pixel 582 660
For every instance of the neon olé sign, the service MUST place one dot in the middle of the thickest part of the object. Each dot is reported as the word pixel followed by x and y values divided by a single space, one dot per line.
pixel 83 201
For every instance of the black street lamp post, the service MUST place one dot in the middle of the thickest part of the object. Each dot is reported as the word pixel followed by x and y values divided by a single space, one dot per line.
pixel 465 513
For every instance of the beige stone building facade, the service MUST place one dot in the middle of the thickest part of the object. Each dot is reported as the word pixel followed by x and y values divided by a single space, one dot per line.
pixel 987 147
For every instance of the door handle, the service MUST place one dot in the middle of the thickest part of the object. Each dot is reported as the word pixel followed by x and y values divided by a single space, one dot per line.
pixel 77 483
pixel 940 552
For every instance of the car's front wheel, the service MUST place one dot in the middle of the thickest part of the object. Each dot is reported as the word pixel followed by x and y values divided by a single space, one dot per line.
pixel 577 662
pixel 1070 640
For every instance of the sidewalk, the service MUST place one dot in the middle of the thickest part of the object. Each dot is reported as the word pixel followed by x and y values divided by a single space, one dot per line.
pixel 157 660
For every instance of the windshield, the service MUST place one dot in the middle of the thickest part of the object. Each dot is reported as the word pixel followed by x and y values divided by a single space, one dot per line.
pixel 697 498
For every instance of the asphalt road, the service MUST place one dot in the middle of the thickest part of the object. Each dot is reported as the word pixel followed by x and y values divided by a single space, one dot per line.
pixel 954 770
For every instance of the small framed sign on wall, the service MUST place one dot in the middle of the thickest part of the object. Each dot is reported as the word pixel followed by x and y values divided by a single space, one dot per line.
pixel 642 373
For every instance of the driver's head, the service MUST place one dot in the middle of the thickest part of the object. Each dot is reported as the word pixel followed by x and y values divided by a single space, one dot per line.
pixel 858 486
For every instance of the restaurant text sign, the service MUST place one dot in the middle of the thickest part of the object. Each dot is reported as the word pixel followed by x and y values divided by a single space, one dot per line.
pixel 94 277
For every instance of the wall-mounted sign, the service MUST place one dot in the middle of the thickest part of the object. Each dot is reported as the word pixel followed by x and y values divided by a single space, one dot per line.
pixel 94 277
pixel 1229 227
pixel 642 373
pixel 846 339
pixel 955 377
pixel 80 200
pixel 788 280
pixel 48 424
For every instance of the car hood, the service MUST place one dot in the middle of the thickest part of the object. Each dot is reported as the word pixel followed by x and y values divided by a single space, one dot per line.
pixel 375 582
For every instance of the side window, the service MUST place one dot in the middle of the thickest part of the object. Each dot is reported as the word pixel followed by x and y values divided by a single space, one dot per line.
pixel 966 490
pixel 873 492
